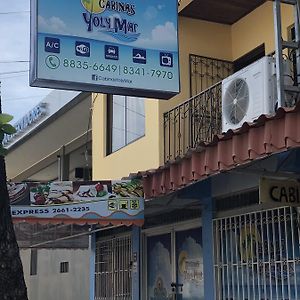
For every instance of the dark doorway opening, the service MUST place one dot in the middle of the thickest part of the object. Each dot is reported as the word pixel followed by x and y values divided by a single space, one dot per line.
pixel 249 58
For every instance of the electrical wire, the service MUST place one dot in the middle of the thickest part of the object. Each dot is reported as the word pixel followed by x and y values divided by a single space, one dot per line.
pixel 21 98
pixel 87 134
pixel 15 12
pixel 8 77
pixel 13 61
pixel 13 72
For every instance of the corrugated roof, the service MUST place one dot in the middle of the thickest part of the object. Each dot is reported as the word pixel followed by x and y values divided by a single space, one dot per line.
pixel 269 134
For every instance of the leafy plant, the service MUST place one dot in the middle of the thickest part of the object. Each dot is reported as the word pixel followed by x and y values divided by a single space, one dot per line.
pixel 5 128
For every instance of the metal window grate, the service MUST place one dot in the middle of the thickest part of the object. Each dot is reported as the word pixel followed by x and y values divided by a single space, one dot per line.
pixel 112 269
pixel 64 267
pixel 207 71
pixel 257 255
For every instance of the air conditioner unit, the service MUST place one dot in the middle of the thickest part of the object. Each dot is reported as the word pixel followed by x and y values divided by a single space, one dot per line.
pixel 250 92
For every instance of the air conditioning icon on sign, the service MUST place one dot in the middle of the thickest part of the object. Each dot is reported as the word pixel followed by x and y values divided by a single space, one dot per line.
pixel 52 45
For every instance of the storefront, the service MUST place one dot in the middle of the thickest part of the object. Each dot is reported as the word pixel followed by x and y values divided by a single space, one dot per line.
pixel 254 250
pixel 257 255
pixel 109 212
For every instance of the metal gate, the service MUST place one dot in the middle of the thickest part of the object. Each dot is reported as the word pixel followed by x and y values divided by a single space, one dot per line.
pixel 112 269
pixel 257 256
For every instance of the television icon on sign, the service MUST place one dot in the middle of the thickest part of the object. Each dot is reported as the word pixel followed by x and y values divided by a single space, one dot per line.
pixel 166 59
pixel 111 52
pixel 82 49
pixel 139 56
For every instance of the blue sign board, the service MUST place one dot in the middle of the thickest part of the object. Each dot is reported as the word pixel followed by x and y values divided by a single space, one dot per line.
pixel 121 47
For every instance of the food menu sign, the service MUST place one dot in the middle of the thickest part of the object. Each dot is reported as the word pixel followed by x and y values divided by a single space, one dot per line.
pixel 121 47
pixel 103 202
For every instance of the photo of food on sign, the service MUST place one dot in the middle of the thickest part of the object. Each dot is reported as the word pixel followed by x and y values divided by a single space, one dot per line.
pixel 131 189
pixel 68 192
pixel 91 191
pixel 51 193
pixel 18 193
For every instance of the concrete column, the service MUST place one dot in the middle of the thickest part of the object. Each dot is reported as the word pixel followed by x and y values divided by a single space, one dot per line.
pixel 135 264
pixel 63 165
pixel 92 248
pixel 208 246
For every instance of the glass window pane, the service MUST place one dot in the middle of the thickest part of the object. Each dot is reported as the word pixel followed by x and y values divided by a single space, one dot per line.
pixel 135 118
pixel 118 124
pixel 128 120
pixel 159 267
pixel 189 260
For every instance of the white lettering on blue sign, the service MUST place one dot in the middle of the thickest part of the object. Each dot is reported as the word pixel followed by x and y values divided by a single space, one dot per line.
pixel 30 118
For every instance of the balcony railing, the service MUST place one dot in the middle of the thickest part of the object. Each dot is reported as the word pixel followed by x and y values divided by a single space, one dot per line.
pixel 196 120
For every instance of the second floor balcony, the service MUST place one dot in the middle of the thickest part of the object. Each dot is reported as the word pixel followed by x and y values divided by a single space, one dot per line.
pixel 220 39
pixel 197 120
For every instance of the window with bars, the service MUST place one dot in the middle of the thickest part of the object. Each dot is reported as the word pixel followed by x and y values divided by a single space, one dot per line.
pixel 292 54
pixel 113 269
pixel 64 267
pixel 257 255
pixel 206 72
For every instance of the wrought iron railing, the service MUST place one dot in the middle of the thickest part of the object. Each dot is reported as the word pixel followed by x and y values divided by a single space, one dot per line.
pixel 207 71
pixel 196 120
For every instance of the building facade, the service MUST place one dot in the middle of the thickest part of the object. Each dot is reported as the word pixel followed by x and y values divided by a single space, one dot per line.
pixel 208 233
pixel 53 142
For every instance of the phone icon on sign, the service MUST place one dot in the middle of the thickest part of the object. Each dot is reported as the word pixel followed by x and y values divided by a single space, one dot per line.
pixel 52 62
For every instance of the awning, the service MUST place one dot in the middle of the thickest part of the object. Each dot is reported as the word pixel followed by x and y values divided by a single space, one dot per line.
pixel 268 135
pixel 67 202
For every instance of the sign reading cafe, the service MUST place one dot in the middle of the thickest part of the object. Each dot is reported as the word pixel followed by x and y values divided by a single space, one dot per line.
pixel 121 47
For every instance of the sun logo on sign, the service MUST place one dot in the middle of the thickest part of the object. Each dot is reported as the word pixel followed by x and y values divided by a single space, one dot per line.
pixel 94 6
pixel 250 240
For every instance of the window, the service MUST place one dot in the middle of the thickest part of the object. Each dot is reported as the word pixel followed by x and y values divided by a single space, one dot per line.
pixel 113 268
pixel 64 267
pixel 249 58
pixel 206 72
pixel 126 121
pixel 292 53
pixel 33 262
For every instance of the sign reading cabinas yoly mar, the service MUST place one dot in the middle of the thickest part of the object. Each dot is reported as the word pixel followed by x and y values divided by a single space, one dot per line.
pixel 121 47
pixel 279 192
pixel 98 202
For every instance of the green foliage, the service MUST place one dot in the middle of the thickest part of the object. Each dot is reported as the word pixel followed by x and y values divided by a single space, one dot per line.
pixel 8 129
pixel 5 118
pixel 5 128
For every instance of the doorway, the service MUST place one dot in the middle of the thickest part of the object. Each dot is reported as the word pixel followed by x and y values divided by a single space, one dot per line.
pixel 174 264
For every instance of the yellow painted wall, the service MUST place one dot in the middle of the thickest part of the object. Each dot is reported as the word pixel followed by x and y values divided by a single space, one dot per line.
pixel 201 38
pixel 197 37
pixel 147 152
pixel 257 28
pixel 139 155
